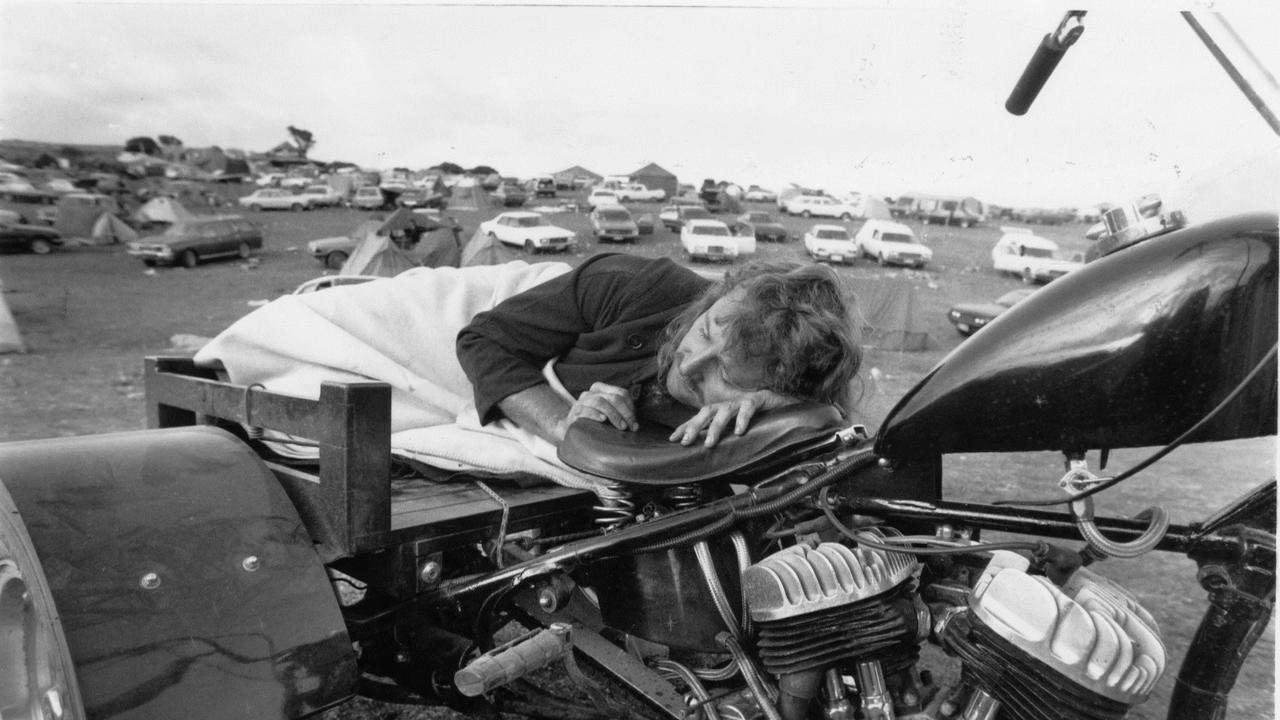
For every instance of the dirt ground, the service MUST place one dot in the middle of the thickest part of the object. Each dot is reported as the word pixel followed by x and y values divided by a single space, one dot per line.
pixel 90 314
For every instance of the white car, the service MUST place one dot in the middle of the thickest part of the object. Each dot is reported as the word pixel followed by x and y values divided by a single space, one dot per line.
pixel 528 230
pixel 830 243
pixel 759 194
pixel 274 199
pixel 891 243
pixel 600 197
pixel 1031 257
pixel 322 195
pixel 710 240
pixel 819 206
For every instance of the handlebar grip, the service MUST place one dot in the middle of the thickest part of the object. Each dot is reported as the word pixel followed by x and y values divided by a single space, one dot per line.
pixel 1034 76
pixel 494 670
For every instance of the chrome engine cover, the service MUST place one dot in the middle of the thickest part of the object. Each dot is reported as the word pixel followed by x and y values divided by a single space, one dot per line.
pixel 807 578
pixel 1090 630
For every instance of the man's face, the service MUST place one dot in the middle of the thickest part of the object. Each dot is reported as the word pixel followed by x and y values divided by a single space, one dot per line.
pixel 702 371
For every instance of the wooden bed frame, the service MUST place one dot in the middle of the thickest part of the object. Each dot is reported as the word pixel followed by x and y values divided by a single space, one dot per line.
pixel 353 509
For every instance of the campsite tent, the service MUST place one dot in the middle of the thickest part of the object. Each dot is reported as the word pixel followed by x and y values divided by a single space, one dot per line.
pixel 874 208
pixel 376 254
pixel 484 250
pixel 161 209
pixel 891 315
pixel 653 177
pixel 468 195
pixel 91 218
pixel 10 338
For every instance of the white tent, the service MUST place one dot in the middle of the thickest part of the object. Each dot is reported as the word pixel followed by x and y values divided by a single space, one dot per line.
pixel 162 209
pixel 10 338
pixel 468 195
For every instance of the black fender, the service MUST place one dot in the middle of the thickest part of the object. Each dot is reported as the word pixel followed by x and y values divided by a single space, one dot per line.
pixel 183 580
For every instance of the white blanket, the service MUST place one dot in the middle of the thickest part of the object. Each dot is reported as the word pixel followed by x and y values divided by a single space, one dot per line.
pixel 399 331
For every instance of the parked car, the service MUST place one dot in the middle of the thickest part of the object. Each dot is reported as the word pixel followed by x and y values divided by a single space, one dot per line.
pixel 599 197
pixel 416 197
pixel 614 223
pixel 295 182
pixel 20 237
pixel 543 186
pixel 274 199
pixel 760 225
pixel 195 240
pixel 1030 257
pixel 819 206
pixel 673 217
pixel 333 251
pixel 707 239
pixel 322 195
pixel 368 197
pixel 891 243
pixel 510 194
pixel 528 230
pixel 969 318
pixel 830 243
pixel 645 223
pixel 755 193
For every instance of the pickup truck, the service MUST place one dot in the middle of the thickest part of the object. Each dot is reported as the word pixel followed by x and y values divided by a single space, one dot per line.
pixel 633 192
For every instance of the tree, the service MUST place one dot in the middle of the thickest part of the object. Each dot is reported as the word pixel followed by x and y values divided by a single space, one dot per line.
pixel 144 145
pixel 169 140
pixel 451 168
pixel 303 139
pixel 482 170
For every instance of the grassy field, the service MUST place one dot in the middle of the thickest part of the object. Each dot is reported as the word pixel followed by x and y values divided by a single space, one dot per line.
pixel 89 315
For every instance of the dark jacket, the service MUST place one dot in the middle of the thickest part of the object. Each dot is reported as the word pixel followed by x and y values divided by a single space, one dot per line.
pixel 604 320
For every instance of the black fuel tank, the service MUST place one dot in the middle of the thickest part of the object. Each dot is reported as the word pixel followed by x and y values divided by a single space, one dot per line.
pixel 1129 351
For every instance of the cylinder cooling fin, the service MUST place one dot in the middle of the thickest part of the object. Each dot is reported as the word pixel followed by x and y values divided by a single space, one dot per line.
pixel 1087 644
pixel 820 605
pixel 804 579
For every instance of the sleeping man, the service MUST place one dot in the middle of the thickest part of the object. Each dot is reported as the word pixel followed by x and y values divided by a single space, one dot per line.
pixel 637 340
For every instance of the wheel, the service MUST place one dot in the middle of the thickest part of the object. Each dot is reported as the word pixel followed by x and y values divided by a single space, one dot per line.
pixel 493 236
pixel 530 248
pixel 806 214
pixel 38 667
pixel 965 224
pixel 190 259
pixel 846 217
pixel 296 207
pixel 881 260
pixel 255 207
pixel 41 247
pixel 243 251
pixel 1027 277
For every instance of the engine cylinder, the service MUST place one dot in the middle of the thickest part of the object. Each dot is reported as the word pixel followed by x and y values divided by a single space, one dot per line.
pixel 818 606
pixel 1085 651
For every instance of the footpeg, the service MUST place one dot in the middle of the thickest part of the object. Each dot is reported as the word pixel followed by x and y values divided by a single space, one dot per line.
pixel 513 660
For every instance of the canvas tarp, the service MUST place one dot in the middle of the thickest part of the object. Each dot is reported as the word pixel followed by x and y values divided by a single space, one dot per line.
pixel 161 209
pixel 10 338
pixel 891 315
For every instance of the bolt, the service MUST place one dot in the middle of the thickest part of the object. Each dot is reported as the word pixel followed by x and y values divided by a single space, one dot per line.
pixel 52 702
pixel 150 581
pixel 250 563
pixel 547 600
pixel 431 572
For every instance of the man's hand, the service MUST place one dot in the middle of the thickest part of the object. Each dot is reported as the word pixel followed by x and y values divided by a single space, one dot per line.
pixel 714 418
pixel 605 403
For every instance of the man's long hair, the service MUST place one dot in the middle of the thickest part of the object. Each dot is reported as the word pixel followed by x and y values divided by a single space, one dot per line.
pixel 792 319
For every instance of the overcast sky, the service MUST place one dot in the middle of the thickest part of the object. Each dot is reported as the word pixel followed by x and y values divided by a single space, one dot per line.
pixel 876 98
